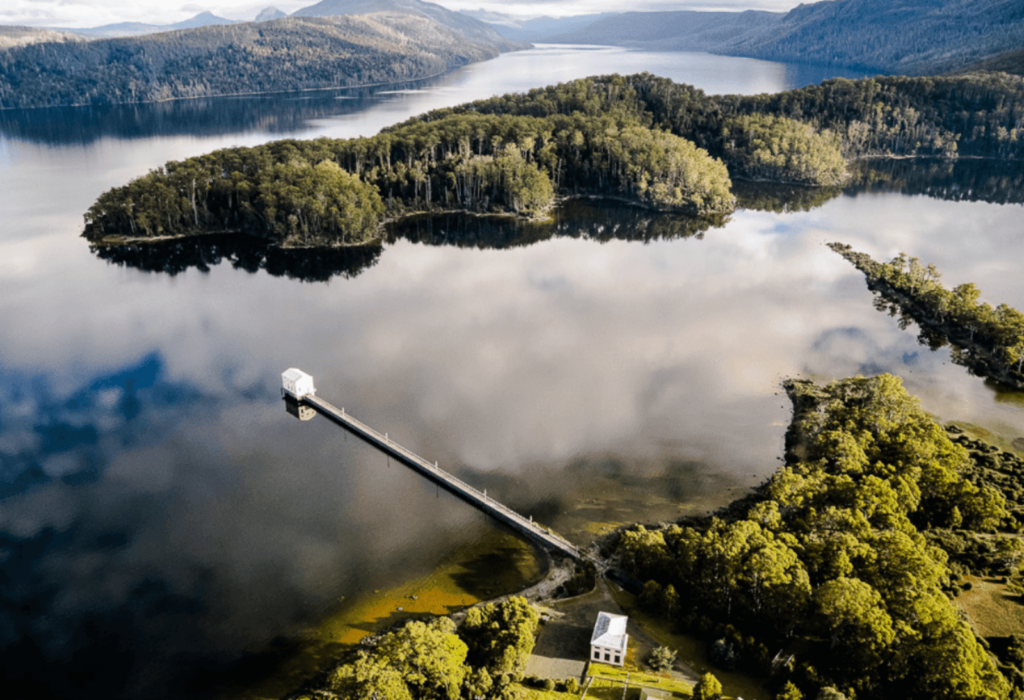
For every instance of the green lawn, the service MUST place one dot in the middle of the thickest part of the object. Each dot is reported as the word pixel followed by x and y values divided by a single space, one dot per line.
pixel 538 694
pixel 616 676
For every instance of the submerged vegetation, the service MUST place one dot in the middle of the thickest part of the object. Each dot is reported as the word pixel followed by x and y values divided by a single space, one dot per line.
pixel 989 341
pixel 825 577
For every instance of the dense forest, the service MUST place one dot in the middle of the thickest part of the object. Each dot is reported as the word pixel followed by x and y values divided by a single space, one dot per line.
pixel 989 341
pixel 826 577
pixel 336 192
pixel 255 57
pixel 639 138
pixel 946 116
pixel 595 220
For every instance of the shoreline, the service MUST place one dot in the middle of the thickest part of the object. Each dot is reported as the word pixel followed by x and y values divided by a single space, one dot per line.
pixel 261 93
pixel 978 359
pixel 114 241
pixel 433 592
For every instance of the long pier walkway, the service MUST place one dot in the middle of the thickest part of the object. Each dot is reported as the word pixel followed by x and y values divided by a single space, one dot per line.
pixel 471 495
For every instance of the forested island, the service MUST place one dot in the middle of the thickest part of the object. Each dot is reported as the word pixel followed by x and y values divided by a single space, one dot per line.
pixel 639 138
pixel 989 341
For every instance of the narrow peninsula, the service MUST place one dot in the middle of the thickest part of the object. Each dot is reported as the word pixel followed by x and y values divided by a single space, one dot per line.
pixel 988 341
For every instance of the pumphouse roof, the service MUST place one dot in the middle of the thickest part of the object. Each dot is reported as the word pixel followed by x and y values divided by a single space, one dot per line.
pixel 610 631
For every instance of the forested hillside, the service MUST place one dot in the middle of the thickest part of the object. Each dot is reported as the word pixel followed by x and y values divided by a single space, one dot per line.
pixel 891 36
pixel 281 55
pixel 462 23
pixel 908 37
pixel 976 115
pixel 671 31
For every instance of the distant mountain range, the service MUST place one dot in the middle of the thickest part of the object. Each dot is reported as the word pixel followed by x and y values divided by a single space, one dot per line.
pixel 203 19
pixel 538 29
pixel 270 13
pixel 889 36
pixel 895 36
pixel 671 31
pixel 339 43
pixel 460 22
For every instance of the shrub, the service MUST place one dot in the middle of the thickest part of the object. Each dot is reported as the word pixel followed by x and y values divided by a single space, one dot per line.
pixel 661 659
pixel 707 688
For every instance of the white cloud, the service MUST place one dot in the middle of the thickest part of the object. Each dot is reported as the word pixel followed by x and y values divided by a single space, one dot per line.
pixel 92 13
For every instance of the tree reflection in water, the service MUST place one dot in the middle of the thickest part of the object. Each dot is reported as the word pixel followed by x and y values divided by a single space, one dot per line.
pixel 243 253
pixel 594 219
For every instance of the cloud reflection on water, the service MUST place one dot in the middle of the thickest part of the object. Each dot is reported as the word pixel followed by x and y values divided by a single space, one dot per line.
pixel 626 379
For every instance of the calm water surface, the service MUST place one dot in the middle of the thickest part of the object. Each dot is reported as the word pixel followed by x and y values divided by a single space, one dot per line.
pixel 160 514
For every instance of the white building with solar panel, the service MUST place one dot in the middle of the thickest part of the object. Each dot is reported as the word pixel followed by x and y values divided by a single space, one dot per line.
pixel 608 643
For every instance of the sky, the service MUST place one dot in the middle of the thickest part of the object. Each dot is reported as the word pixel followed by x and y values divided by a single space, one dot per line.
pixel 93 13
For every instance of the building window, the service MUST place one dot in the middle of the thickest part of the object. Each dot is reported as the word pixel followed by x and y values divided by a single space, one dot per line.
pixel 597 655
pixel 616 658
pixel 606 655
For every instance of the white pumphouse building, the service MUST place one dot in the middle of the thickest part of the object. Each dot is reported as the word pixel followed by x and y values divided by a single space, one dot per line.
pixel 609 641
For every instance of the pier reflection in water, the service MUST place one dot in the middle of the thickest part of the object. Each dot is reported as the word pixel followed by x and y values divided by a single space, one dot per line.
pixel 157 499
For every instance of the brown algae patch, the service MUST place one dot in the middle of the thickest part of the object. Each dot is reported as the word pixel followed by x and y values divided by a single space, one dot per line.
pixel 497 564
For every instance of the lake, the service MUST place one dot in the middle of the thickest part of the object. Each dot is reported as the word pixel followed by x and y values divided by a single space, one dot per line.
pixel 163 519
